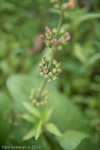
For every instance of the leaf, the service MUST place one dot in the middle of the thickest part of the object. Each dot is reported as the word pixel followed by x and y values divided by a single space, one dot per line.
pixel 17 51
pixel 65 113
pixel 94 58
pixel 28 118
pixel 38 129
pixel 33 110
pixel 71 139
pixel 46 115
pixel 29 135
pixel 53 129
pixel 87 16
pixel 5 116
pixel 79 53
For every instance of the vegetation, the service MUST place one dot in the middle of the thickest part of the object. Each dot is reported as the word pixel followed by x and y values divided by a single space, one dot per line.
pixel 58 109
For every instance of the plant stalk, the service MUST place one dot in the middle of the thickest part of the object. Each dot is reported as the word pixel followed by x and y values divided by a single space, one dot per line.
pixel 52 55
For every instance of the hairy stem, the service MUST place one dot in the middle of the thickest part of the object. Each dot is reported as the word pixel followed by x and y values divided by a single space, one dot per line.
pixel 52 55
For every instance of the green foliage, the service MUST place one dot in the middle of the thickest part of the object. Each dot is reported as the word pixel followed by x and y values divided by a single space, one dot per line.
pixel 74 108
pixel 53 129
pixel 5 116
pixel 32 109
pixel 71 139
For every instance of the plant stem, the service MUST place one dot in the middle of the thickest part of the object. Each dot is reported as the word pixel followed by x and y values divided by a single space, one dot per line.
pixel 52 55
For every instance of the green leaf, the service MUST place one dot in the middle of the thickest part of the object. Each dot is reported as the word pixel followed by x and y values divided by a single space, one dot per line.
pixel 33 110
pixel 38 129
pixel 53 129
pixel 71 139
pixel 29 135
pixel 46 115
pixel 65 113
pixel 17 51
pixel 87 16
pixel 79 53
pixel 28 118
pixel 5 116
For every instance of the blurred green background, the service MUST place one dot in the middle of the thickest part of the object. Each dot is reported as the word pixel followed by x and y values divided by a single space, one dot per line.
pixel 21 23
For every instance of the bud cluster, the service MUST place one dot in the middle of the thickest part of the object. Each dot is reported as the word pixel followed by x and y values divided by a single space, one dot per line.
pixel 44 98
pixel 51 41
pixel 51 74
pixel 64 5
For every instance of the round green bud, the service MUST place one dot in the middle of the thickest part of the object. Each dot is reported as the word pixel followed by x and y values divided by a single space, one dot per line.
pixel 46 76
pixel 56 6
pixel 50 74
pixel 37 104
pixel 54 62
pixel 43 62
pixel 58 65
pixel 45 71
pixel 54 77
pixel 60 47
pixel 41 74
pixel 50 80
pixel 54 30
pixel 48 59
pixel 54 70
pixel 61 31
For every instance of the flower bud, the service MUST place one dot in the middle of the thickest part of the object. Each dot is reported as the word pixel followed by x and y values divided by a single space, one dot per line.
pixel 54 30
pixel 64 6
pixel 60 40
pixel 58 65
pixel 40 66
pixel 54 62
pixel 54 70
pixel 61 31
pixel 60 47
pixel 50 74
pixel 68 38
pixel 37 104
pixel 45 71
pixel 47 42
pixel 44 57
pixel 66 34
pixel 49 80
pixel 45 67
pixel 58 70
pixel 46 76
pixel 46 101
pixel 42 37
pixel 34 101
pixel 41 74
pixel 56 6
pixel 54 77
pixel 55 42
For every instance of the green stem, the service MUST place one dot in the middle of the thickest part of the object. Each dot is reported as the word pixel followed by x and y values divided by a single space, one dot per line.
pixel 52 55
